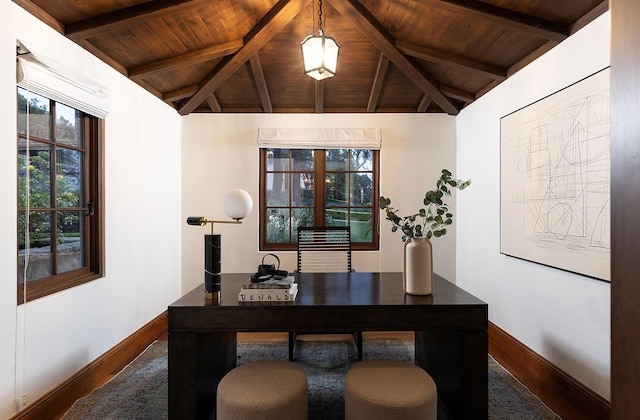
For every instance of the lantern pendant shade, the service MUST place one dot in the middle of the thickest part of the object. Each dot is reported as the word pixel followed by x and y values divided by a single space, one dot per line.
pixel 320 56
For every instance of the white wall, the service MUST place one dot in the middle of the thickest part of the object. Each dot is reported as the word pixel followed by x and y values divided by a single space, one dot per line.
pixel 220 152
pixel 46 341
pixel 562 316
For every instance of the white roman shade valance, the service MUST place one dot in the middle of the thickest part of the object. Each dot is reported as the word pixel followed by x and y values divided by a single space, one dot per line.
pixel 54 80
pixel 320 138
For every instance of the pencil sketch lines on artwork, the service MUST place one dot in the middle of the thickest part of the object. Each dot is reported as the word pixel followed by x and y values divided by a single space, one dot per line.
pixel 555 182
pixel 563 176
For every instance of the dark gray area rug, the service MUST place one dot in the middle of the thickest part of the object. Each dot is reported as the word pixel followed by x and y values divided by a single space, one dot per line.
pixel 140 390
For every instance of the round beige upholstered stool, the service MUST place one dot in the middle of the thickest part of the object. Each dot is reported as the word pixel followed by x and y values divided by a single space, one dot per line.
pixel 381 389
pixel 265 390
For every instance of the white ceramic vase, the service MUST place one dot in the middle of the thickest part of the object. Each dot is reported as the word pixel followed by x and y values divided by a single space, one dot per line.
pixel 418 267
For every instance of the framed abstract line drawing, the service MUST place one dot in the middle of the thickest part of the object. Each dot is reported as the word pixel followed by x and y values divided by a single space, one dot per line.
pixel 554 175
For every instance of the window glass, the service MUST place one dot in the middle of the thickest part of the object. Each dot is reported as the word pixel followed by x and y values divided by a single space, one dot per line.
pixel 34 174
pixel 301 217
pixel 68 178
pixel 337 159
pixel 68 128
pixel 302 159
pixel 278 159
pixel 38 239
pixel 70 241
pixel 34 113
pixel 59 190
pixel 337 189
pixel 278 225
pixel 278 189
pixel 361 222
pixel 303 187
pixel 361 160
pixel 361 189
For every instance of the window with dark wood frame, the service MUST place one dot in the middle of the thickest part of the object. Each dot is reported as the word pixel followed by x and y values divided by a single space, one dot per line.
pixel 318 187
pixel 60 197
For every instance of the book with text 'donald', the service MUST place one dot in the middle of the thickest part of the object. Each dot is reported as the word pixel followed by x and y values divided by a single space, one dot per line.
pixel 268 295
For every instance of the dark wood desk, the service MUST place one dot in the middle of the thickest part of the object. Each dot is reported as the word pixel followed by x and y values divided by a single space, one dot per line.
pixel 451 333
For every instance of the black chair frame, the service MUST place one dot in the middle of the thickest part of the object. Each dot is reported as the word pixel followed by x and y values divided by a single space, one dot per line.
pixel 323 247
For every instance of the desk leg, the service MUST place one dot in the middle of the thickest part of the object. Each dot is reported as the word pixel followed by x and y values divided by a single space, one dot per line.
pixel 197 363
pixel 458 363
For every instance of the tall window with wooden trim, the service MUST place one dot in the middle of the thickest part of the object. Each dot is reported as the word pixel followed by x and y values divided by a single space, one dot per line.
pixel 60 233
pixel 318 187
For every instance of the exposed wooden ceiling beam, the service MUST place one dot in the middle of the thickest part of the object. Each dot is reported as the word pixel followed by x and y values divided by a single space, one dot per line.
pixel 255 69
pixel 272 23
pixel 378 83
pixel 535 54
pixel 39 13
pixel 475 9
pixel 318 88
pixel 150 89
pixel 195 57
pixel 589 17
pixel 240 109
pixel 362 19
pixel 487 88
pixel 424 103
pixel 214 104
pixel 429 54
pixel 127 17
pixel 459 94
pixel 178 94
pixel 102 56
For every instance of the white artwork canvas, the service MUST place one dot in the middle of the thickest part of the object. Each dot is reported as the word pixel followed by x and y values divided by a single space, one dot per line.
pixel 555 170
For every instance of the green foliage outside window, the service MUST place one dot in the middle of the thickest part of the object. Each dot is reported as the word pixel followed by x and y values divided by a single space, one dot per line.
pixel 35 168
pixel 336 186
pixel 67 196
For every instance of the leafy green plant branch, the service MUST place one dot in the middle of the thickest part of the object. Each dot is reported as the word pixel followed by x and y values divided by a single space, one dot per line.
pixel 434 218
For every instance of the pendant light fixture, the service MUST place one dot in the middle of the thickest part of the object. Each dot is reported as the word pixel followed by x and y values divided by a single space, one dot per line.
pixel 319 52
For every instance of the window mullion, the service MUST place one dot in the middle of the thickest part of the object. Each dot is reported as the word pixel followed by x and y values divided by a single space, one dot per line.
pixel 88 185
pixel 348 176
pixel 320 198
pixel 290 188
pixel 54 191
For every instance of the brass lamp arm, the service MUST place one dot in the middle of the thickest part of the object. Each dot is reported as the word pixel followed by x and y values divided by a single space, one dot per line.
pixel 202 221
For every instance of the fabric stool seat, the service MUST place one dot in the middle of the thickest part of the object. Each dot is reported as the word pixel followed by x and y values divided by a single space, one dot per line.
pixel 381 389
pixel 265 390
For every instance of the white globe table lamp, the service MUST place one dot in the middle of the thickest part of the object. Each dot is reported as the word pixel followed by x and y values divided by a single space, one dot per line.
pixel 236 204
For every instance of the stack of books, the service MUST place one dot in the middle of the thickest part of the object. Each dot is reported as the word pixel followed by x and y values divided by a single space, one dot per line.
pixel 273 290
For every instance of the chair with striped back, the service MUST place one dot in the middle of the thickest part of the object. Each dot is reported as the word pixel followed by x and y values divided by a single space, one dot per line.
pixel 324 249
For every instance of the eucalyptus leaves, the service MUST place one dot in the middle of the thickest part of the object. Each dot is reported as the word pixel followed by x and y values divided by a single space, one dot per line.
pixel 432 220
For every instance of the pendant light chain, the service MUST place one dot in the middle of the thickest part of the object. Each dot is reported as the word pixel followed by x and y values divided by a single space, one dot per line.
pixel 320 17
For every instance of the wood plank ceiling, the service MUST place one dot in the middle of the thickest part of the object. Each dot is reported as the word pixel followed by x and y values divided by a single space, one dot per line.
pixel 403 56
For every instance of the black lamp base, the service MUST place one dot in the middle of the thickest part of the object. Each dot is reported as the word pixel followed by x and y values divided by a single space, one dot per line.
pixel 212 267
